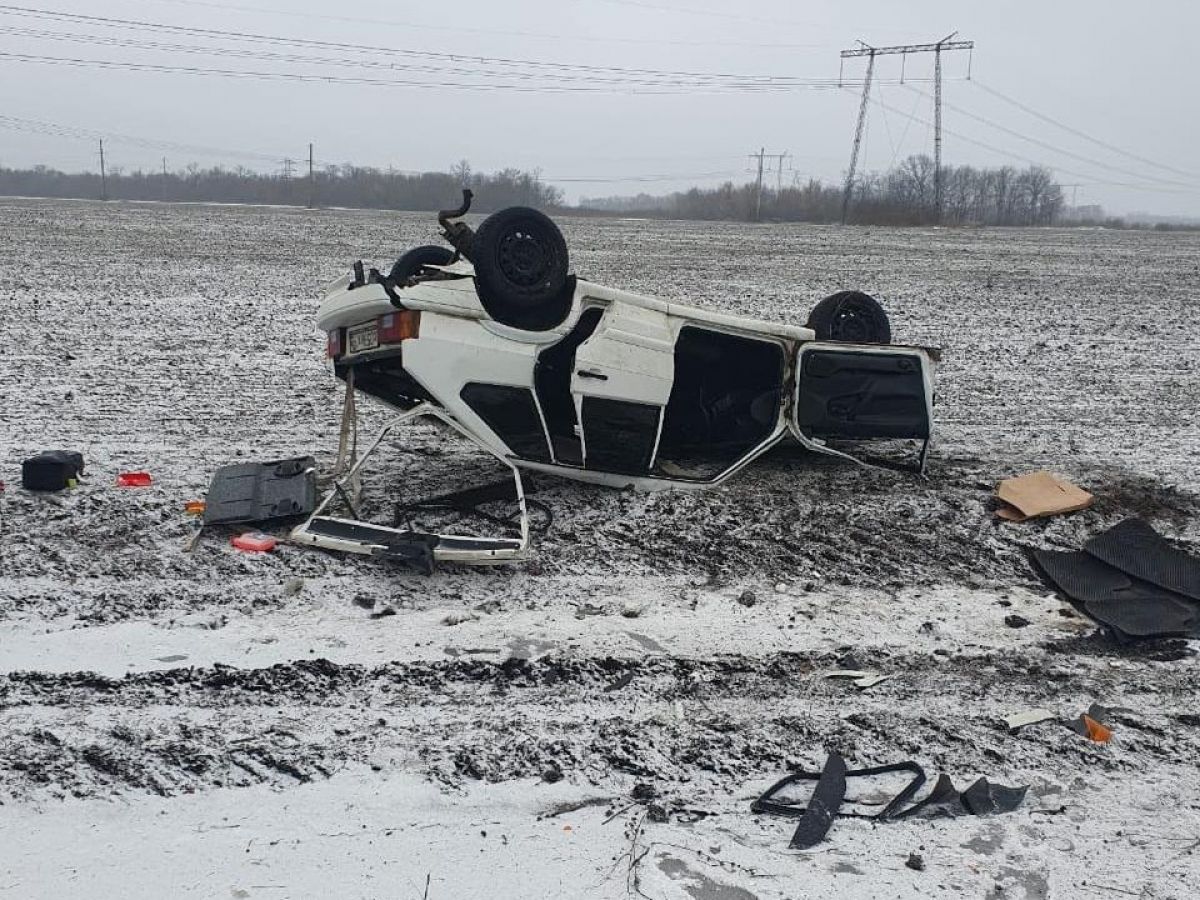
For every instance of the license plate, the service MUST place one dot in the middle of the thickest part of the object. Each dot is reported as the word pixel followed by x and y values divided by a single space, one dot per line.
pixel 363 337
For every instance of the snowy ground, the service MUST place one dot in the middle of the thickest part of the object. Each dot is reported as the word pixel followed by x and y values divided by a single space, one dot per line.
pixel 213 724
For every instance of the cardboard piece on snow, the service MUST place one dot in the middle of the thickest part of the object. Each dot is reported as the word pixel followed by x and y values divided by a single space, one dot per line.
pixel 1039 494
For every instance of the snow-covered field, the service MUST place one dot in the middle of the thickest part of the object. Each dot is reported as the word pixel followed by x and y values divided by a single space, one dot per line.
pixel 214 724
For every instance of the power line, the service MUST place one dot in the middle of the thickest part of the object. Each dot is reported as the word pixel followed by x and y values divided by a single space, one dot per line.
pixel 35 126
pixel 461 29
pixel 426 68
pixel 598 179
pixel 1090 180
pixel 1075 131
pixel 551 88
pixel 1056 149
pixel 140 25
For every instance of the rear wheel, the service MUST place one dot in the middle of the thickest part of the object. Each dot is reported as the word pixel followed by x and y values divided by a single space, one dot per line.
pixel 521 269
pixel 852 317
pixel 413 261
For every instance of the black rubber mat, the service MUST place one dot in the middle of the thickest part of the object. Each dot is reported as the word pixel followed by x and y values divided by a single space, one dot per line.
pixel 1138 550
pixel 1081 576
pixel 1131 607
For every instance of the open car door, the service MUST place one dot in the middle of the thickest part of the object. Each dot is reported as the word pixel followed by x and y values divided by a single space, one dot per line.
pixel 862 392
pixel 621 383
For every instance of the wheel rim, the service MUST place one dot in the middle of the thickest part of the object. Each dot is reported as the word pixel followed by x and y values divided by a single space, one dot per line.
pixel 523 259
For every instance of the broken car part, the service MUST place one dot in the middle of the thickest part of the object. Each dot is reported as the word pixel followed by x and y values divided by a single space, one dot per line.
pixel 407 546
pixel 258 492
pixel 860 678
pixel 254 542
pixel 981 798
pixel 1016 721
pixel 52 470
pixel 1091 724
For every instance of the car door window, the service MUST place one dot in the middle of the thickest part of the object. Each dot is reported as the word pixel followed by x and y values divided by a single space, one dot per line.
pixel 511 413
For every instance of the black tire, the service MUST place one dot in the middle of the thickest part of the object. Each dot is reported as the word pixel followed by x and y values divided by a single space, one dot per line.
pixel 413 261
pixel 521 269
pixel 850 316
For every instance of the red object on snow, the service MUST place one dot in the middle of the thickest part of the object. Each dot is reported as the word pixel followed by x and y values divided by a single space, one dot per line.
pixel 134 479
pixel 255 542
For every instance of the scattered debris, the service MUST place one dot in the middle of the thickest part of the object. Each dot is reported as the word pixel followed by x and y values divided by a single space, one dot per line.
pixel 916 862
pixel 257 492
pixel 293 586
pixel 1017 721
pixel 1039 494
pixel 52 470
pixel 747 598
pixel 1091 724
pixel 1015 621
pixel 384 612
pixel 134 479
pixel 365 601
pixel 457 618
pixel 621 682
pixel 981 798
pixel 195 507
pixel 860 678
pixel 1131 580
pixel 254 542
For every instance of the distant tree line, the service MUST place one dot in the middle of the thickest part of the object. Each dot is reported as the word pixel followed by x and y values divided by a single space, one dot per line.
pixel 904 195
pixel 346 185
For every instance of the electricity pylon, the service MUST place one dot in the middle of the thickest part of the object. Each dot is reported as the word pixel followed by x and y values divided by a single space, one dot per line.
pixel 946 43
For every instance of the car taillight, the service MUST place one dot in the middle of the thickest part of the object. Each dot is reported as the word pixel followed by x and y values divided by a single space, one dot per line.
pixel 333 343
pixel 399 326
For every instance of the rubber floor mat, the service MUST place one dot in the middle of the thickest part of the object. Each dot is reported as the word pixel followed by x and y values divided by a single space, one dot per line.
pixel 1138 550
pixel 1131 607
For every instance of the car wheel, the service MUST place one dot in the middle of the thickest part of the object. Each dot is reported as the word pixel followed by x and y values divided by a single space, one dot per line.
pixel 850 316
pixel 413 261
pixel 521 265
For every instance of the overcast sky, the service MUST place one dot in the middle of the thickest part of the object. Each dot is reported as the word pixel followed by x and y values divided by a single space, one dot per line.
pixel 1120 73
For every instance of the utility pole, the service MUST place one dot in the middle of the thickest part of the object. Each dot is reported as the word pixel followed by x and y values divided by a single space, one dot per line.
pixel 164 181
pixel 103 176
pixel 312 184
pixel 946 43
pixel 779 173
pixel 758 186
pixel 937 130
pixel 289 168
pixel 761 156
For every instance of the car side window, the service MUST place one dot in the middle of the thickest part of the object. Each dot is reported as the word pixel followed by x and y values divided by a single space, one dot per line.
pixel 512 414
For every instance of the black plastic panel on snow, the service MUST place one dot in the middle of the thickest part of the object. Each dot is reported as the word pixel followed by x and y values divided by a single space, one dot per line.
pixel 256 492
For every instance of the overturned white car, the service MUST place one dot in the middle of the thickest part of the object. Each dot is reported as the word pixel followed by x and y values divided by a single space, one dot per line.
pixel 552 373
